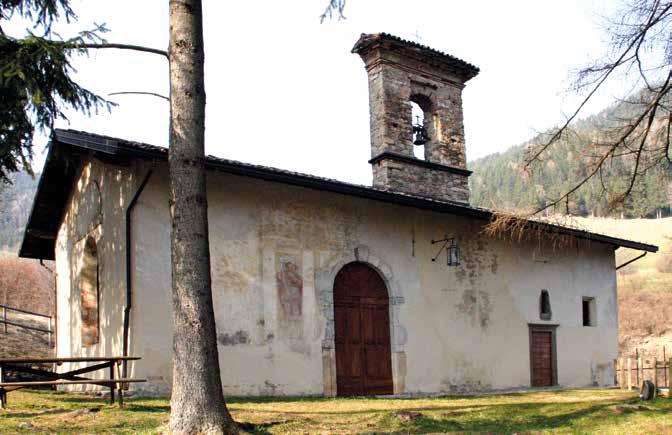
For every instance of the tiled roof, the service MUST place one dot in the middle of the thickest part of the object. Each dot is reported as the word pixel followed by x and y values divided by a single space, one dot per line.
pixel 58 176
pixel 367 39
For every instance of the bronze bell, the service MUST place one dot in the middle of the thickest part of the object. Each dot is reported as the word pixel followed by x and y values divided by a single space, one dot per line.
pixel 419 135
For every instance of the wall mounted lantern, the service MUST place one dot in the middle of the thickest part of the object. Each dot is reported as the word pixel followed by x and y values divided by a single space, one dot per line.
pixel 452 251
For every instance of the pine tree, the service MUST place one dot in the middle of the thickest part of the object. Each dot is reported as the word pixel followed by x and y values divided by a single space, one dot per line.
pixel 36 83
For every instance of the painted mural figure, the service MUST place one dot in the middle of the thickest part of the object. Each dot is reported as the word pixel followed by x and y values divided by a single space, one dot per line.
pixel 290 289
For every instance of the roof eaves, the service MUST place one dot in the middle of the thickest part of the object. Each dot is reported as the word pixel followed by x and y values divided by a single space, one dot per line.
pixel 366 40
pixel 108 145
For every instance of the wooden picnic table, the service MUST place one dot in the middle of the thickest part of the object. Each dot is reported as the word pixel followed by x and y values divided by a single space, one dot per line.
pixel 72 377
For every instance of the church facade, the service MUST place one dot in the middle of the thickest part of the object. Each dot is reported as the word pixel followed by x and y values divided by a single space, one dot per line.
pixel 326 288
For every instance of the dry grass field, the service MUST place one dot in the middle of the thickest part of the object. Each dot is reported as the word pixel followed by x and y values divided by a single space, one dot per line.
pixel 27 285
pixel 19 342
pixel 578 411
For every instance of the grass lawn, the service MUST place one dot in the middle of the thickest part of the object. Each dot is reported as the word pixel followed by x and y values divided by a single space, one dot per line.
pixel 607 411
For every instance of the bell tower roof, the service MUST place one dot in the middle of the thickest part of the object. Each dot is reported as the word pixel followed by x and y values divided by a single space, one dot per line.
pixel 424 54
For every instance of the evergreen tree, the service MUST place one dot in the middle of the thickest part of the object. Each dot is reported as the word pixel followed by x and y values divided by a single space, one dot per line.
pixel 36 83
pixel 498 183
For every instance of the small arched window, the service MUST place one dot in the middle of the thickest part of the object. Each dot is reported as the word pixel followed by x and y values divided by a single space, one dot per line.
pixel 545 306
pixel 90 297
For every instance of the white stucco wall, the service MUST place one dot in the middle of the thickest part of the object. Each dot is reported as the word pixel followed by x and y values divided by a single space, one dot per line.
pixel 96 209
pixel 453 329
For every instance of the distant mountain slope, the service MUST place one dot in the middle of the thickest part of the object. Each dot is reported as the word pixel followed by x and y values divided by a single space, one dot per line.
pixel 497 181
pixel 16 201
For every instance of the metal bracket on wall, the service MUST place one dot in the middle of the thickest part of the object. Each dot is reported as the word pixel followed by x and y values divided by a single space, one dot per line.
pixel 451 248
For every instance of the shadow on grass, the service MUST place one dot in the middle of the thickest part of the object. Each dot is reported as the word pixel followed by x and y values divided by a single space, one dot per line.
pixel 527 415
pixel 136 407
pixel 452 409
pixel 132 404
pixel 230 400
pixel 516 418
pixel 502 417
pixel 321 399
pixel 258 428
pixel 35 414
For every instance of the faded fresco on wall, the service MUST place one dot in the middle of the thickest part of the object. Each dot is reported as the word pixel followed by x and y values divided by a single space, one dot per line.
pixel 290 295
pixel 89 294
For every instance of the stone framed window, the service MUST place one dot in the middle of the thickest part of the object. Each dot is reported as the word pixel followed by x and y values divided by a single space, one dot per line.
pixel 545 312
pixel 89 286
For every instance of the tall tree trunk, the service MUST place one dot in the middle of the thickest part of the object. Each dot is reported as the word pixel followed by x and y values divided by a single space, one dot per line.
pixel 197 402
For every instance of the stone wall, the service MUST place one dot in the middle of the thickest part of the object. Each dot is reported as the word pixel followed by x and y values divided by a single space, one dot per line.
pixel 432 183
pixel 400 73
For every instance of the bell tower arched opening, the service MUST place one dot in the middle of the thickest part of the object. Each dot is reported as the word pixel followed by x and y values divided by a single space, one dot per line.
pixel 419 131
pixel 423 126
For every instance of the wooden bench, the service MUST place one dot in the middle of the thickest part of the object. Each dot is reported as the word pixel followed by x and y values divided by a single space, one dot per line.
pixel 71 377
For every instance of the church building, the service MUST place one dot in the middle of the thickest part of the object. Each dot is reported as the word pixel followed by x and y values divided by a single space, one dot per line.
pixel 322 287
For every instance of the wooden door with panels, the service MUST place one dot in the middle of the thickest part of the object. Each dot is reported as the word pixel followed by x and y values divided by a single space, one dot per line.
pixel 543 370
pixel 362 324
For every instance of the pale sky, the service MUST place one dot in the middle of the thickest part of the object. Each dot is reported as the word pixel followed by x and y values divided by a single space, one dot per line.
pixel 284 90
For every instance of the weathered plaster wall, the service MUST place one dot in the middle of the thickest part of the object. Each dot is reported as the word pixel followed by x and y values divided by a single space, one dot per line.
pixel 275 252
pixel 96 210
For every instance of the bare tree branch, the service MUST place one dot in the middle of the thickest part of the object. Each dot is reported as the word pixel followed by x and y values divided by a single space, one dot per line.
pixel 634 138
pixel 117 46
pixel 650 111
pixel 334 6
pixel 605 72
pixel 140 93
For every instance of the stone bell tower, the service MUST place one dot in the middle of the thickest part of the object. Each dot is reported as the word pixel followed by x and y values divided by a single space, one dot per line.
pixel 401 72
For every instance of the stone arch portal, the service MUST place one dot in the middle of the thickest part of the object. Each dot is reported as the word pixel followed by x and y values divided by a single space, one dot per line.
pixel 362 332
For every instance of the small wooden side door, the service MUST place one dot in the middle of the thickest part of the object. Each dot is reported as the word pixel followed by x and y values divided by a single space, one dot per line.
pixel 542 356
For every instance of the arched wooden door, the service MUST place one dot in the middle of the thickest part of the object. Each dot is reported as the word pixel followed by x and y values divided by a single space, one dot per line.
pixel 362 321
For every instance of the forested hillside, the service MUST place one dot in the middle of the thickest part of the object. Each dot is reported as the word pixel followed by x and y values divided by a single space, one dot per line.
pixel 497 181
pixel 16 201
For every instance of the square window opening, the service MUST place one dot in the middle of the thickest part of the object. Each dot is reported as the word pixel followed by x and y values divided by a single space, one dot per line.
pixel 589 312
